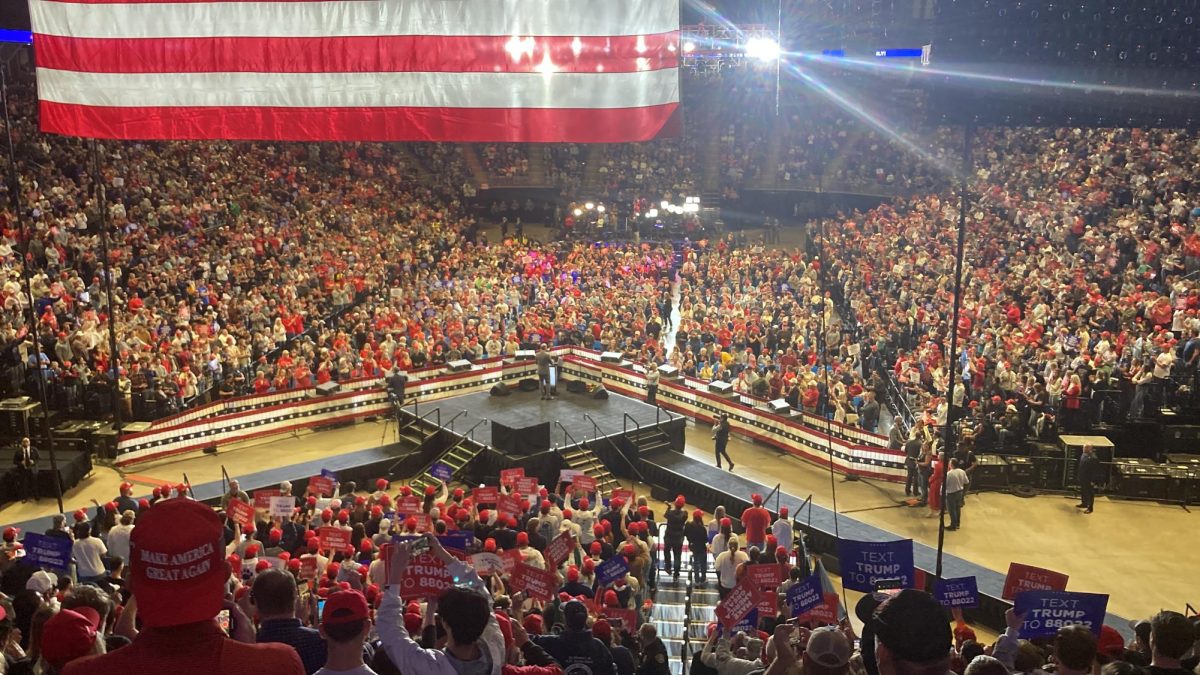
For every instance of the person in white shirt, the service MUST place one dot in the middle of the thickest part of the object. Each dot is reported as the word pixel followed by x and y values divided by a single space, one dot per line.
pixel 118 537
pixel 88 552
pixel 727 564
pixel 782 529
pixel 956 492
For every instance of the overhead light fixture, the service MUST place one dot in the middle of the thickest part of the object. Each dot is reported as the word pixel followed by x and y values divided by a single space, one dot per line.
pixel 762 49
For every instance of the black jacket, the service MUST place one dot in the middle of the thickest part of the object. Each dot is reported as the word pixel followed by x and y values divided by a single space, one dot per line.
pixel 676 520
pixel 577 647
pixel 655 660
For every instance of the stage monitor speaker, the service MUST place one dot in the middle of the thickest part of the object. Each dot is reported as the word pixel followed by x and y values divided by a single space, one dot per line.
pixel 611 357
pixel 719 387
pixel 600 393
pixel 779 406
pixel 577 386
pixel 328 388
pixel 528 384
pixel 668 371
pixel 499 389
pixel 524 355
pixel 458 366
pixel 991 471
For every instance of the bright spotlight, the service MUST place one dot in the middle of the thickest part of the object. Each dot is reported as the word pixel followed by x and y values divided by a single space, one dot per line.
pixel 664 204
pixel 763 49
pixel 578 213
pixel 600 208
pixel 689 47
pixel 589 206
pixel 652 213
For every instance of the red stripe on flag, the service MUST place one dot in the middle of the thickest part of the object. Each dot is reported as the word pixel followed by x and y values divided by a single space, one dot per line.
pixel 155 2
pixel 401 53
pixel 456 125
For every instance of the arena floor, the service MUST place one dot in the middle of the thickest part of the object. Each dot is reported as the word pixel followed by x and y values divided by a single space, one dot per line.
pixel 1106 550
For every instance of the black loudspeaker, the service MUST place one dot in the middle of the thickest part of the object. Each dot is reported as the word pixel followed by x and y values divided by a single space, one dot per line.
pixel 528 384
pixel 576 386
pixel 328 388
pixel 209 449
pixel 499 389
pixel 600 393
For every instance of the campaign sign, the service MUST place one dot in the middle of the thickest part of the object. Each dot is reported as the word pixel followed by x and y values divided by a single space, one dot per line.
pixel 1047 611
pixel 331 475
pixel 510 559
pixel 537 584
pixel 321 485
pixel 611 570
pixel 585 483
pixel 824 614
pixel 766 601
pixel 864 562
pixel 408 506
pixel 509 505
pixel 240 512
pixel 423 522
pixel 281 507
pixel 441 471
pixel 770 575
pixel 1023 578
pixel 333 538
pixel 458 540
pixel 526 485
pixel 568 475
pixel 805 595
pixel 308 567
pixel 737 604
pixel 486 495
pixel 558 549
pixel 49 552
pixel 624 494
pixel 748 624
pixel 425 577
pixel 961 592
pixel 262 498
pixel 509 476
pixel 621 619
pixel 487 563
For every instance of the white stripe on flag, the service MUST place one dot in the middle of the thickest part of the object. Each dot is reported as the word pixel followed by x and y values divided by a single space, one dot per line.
pixel 311 90
pixel 356 17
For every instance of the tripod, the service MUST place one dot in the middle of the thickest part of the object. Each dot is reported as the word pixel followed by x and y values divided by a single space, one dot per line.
pixel 397 406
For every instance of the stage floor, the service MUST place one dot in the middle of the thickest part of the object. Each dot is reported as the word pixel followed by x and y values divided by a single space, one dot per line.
pixel 526 408
pixel 1107 552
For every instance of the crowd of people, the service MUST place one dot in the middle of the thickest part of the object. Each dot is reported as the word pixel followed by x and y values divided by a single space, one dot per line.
pixel 388 581
pixel 505 160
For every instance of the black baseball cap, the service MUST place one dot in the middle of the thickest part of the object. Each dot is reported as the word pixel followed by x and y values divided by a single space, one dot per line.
pixel 913 626
pixel 576 615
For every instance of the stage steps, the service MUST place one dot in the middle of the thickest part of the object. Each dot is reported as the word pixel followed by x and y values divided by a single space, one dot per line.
pixel 651 439
pixel 456 457
pixel 682 611
pixel 581 458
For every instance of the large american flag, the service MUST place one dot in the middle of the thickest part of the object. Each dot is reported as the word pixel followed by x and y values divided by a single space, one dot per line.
pixel 398 70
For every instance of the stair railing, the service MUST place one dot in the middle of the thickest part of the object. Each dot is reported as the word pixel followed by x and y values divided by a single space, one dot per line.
pixel 450 423
pixel 629 462
pixel 626 418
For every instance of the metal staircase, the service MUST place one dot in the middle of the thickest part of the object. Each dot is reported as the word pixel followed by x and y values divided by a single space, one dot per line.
pixel 579 457
pixel 681 611
pixel 649 440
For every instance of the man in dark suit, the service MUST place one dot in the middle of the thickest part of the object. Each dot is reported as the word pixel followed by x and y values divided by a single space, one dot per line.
pixel 25 461
pixel 1087 473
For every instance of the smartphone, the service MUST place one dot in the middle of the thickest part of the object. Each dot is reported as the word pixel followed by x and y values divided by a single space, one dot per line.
pixel 889 586
pixel 420 546
pixel 320 608
pixel 223 620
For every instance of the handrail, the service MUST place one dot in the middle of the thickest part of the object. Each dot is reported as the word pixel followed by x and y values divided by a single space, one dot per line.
pixel 632 466
pixel 567 434
pixel 687 624
pixel 658 410
pixel 625 427
pixel 224 480
pixel 774 491
pixel 435 410
pixel 471 432
pixel 450 423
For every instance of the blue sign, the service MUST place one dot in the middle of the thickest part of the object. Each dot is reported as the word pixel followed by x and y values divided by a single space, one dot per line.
pixel 865 562
pixel 459 540
pixel 441 471
pixel 329 474
pixel 962 592
pixel 611 570
pixel 805 595
pixel 748 624
pixel 1047 611
pixel 49 552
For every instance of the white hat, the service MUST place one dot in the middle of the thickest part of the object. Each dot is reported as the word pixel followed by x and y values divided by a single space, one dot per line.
pixel 42 582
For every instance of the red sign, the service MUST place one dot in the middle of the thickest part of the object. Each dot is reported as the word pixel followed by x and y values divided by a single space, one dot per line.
pixel 767 601
pixel 235 567
pixel 736 605
pixel 626 496
pixel 240 512
pixel 510 559
pixel 425 577
pixel 766 576
pixel 486 495
pixel 558 550
pixel 321 485
pixel 408 505
pixel 423 521
pixel 308 567
pixel 586 483
pixel 509 476
pixel 621 619
pixel 509 505
pixel 537 584
pixel 1023 578
pixel 527 486
pixel 333 538
pixel 824 614
pixel 262 498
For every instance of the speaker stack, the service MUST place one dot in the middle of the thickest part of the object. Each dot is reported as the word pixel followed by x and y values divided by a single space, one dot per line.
pixel 991 471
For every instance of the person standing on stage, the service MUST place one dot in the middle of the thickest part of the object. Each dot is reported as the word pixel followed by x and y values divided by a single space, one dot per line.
pixel 651 382
pixel 544 363
pixel 1087 473
pixel 720 434
pixel 25 461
